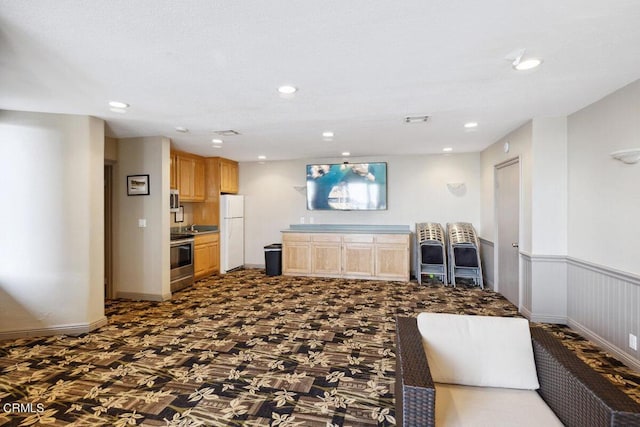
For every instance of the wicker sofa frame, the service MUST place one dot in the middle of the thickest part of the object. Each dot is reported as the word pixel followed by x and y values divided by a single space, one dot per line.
pixel 578 395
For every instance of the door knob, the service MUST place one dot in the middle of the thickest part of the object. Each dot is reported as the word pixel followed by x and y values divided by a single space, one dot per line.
pixel 515 245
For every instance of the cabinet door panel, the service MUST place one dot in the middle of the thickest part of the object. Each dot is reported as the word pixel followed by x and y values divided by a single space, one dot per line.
pixel 228 176
pixel 198 180
pixel 392 261
pixel 215 257
pixel 185 178
pixel 173 171
pixel 296 258
pixel 200 260
pixel 325 258
pixel 358 259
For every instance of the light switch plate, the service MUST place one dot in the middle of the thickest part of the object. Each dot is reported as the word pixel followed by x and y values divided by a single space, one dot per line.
pixel 142 223
pixel 633 341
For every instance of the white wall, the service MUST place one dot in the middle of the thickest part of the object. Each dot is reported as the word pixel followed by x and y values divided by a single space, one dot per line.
pixel 52 252
pixel 141 258
pixel 549 186
pixel 520 141
pixel 541 147
pixel 417 192
pixel 604 196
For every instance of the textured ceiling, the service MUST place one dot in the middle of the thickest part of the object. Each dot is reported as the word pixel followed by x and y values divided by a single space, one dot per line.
pixel 360 66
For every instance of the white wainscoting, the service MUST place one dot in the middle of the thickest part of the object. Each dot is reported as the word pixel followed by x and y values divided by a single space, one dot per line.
pixel 600 303
pixel 544 288
pixel 526 287
pixel 487 258
pixel 604 305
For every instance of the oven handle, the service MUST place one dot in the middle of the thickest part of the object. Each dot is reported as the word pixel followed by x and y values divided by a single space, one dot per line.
pixel 181 242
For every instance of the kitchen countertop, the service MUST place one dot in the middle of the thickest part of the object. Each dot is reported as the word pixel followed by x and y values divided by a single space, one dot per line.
pixel 199 229
pixel 348 228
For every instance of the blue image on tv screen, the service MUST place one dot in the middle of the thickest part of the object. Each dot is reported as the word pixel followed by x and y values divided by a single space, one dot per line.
pixel 347 186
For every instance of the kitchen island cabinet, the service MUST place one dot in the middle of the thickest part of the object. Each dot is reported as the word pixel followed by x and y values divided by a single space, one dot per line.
pixel 350 252
pixel 296 259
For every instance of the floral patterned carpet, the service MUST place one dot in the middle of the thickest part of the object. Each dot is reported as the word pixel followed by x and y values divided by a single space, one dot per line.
pixel 242 349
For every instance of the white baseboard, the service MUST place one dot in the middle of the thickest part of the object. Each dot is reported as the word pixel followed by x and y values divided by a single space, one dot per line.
pixel 628 360
pixel 136 296
pixel 488 284
pixel 72 329
pixel 544 318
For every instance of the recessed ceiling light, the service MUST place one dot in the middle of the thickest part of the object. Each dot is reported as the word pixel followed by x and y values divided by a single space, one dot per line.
pixel 447 149
pixel 118 104
pixel 346 153
pixel 118 110
pixel 217 146
pixel 287 90
pixel 327 134
pixel 262 157
pixel 471 125
pixel 216 141
pixel 527 64
pixel 181 129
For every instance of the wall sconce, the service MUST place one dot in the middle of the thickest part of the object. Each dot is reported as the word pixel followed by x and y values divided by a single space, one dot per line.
pixel 629 156
pixel 457 188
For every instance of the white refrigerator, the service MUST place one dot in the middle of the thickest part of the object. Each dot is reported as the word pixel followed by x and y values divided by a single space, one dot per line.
pixel 231 232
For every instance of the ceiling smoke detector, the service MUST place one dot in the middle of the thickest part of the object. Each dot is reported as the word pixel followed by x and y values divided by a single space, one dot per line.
pixel 228 132
pixel 416 119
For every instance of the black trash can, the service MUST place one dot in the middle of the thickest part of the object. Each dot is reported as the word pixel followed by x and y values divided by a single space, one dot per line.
pixel 273 259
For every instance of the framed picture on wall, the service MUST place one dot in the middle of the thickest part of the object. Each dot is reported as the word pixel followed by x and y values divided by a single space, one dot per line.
pixel 179 214
pixel 137 185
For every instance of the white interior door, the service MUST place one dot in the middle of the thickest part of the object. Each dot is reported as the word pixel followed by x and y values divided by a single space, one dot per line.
pixel 508 228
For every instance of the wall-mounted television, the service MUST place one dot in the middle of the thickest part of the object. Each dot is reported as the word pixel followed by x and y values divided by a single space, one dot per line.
pixel 347 186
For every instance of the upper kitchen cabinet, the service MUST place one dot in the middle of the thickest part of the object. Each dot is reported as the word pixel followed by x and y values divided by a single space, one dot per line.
pixel 228 176
pixel 190 177
pixel 174 171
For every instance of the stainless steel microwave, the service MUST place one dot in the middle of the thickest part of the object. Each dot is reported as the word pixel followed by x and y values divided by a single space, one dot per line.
pixel 174 200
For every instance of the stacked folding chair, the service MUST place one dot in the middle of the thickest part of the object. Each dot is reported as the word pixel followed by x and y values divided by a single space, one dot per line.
pixel 431 252
pixel 464 253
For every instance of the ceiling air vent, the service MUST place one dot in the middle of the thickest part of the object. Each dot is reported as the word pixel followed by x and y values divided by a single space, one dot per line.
pixel 229 132
pixel 416 119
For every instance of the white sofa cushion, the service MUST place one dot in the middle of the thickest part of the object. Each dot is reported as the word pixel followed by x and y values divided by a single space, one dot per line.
pixel 463 406
pixel 481 351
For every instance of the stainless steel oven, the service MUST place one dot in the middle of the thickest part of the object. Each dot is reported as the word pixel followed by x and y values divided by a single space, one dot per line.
pixel 181 261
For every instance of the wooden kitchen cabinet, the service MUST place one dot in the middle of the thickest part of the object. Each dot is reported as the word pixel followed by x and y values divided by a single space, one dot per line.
pixel 228 176
pixel 173 167
pixel 358 260
pixel 296 253
pixel 364 256
pixel 206 255
pixel 326 252
pixel 190 177
pixel 198 180
pixel 392 257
